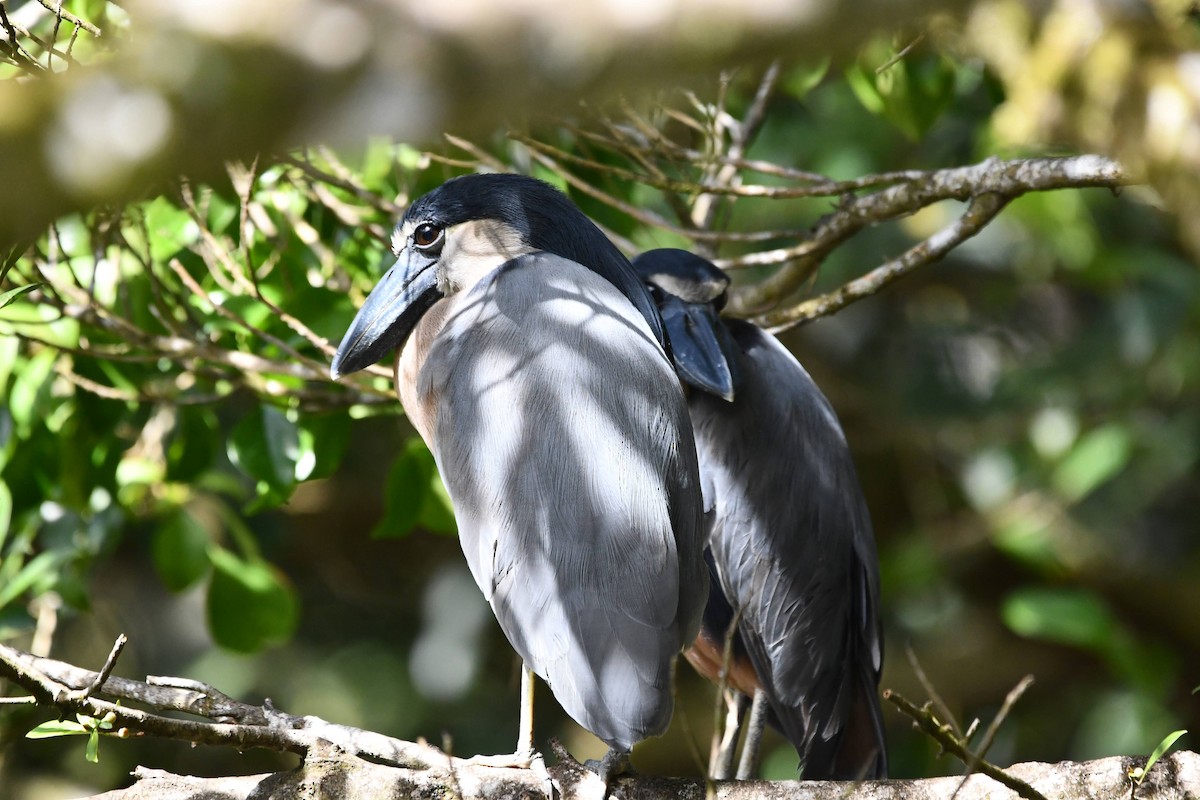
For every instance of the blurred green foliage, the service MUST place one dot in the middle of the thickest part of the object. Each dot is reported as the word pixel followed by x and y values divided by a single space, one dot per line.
pixel 414 495
pixel 1026 419
pixel 911 92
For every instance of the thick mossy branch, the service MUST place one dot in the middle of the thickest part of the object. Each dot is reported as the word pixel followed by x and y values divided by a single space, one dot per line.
pixel 343 762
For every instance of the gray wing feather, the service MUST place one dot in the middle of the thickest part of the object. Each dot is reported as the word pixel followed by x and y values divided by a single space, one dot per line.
pixel 565 444
pixel 793 547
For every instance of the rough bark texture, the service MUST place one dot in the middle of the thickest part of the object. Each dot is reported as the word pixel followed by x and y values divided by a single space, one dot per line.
pixel 333 775
pixel 417 770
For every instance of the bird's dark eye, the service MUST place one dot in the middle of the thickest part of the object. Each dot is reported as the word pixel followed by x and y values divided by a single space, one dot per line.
pixel 427 235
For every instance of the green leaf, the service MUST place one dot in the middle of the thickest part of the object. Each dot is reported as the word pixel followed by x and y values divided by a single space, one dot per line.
pixel 306 454
pixel 6 508
pixel 57 727
pixel 266 446
pixel 43 322
pixel 92 753
pixel 223 212
pixel 1158 753
pixel 247 309
pixel 1096 458
pixel 330 435
pixel 911 92
pixel 40 569
pixel 20 547
pixel 180 550
pixel 552 177
pixel 1028 537
pixel 864 89
pixel 171 229
pixel 239 532
pixel 1067 616
pixel 410 158
pixel 10 257
pixel 326 312
pixel 114 372
pixel 10 348
pixel 139 470
pixel 13 294
pixel 250 604
pixel 1163 746
pixel 382 158
pixel 30 390
pixel 804 77
pixel 193 444
pixel 408 485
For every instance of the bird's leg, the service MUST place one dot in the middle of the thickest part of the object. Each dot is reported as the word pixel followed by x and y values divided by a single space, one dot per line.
pixel 525 726
pixel 724 749
pixel 525 756
pixel 754 731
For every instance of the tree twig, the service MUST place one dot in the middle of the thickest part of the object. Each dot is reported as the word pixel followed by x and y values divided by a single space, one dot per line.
pixel 943 734
pixel 932 692
pixel 728 176
pixel 107 669
pixel 62 13
pixel 989 736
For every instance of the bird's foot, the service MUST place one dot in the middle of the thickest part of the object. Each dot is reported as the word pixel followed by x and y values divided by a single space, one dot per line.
pixel 591 779
pixel 614 764
pixel 524 759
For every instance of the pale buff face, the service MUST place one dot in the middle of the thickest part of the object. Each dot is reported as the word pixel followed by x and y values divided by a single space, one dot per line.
pixel 465 252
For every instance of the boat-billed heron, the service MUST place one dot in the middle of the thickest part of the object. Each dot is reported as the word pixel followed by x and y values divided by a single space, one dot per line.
pixel 791 544
pixel 532 363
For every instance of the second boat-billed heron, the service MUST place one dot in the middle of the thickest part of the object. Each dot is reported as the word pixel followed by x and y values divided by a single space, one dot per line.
pixel 791 542
pixel 532 365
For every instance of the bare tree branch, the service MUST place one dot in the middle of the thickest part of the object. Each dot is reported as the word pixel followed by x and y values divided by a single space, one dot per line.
pixel 180 301
pixel 63 687
pixel 57 10
pixel 979 213
pixel 1001 180
pixel 728 176
pixel 987 187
